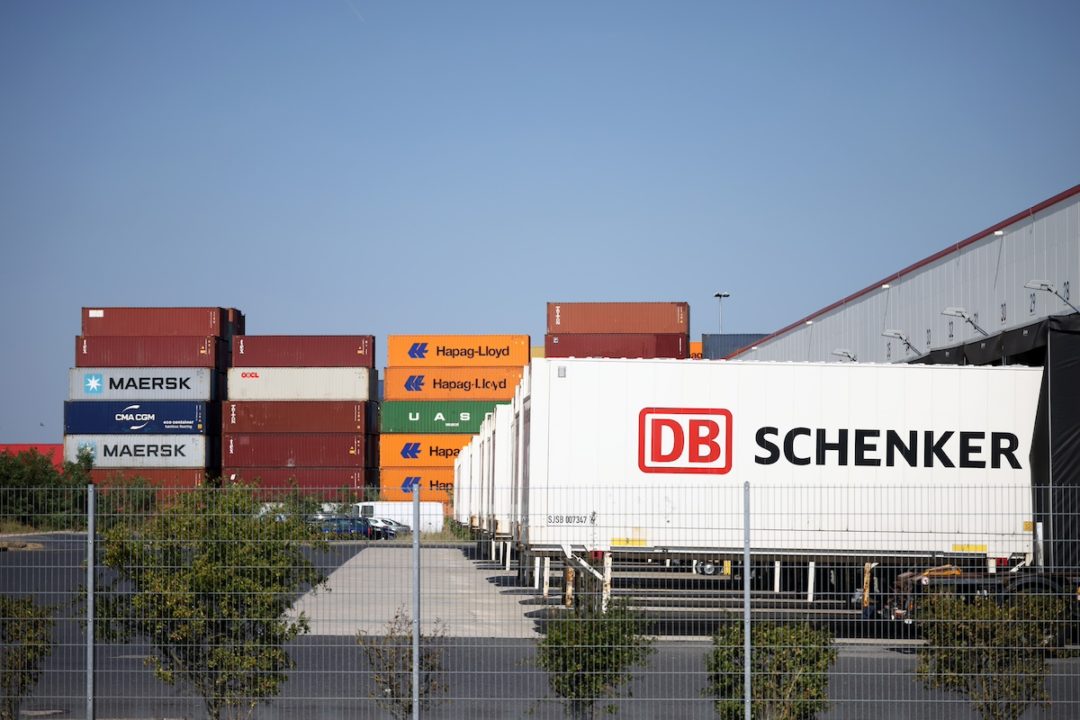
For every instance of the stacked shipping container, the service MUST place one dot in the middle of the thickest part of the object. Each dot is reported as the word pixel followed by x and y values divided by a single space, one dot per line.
pixel 302 411
pixel 438 390
pixel 141 397
pixel 618 330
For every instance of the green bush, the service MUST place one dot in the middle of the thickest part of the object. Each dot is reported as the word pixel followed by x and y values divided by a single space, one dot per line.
pixel 25 642
pixel 390 657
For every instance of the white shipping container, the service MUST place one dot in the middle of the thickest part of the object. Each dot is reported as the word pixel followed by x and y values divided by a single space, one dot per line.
pixel 462 477
pixel 139 451
pixel 168 383
pixel 501 472
pixel 305 383
pixel 840 458
pixel 431 513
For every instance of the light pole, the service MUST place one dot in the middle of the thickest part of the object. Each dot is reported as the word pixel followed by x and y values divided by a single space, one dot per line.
pixel 720 302
pixel 965 316
pixel 1049 287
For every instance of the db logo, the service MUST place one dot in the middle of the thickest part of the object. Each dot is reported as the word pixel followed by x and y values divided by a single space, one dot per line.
pixel 684 440
pixel 253 375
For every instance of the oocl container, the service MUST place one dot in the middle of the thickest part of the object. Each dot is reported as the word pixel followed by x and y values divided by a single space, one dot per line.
pixel 303 351
pixel 144 417
pixel 617 345
pixel 150 351
pixel 296 450
pixel 283 416
pixel 433 416
pixel 435 484
pixel 457 350
pixel 141 451
pixel 618 317
pixel 161 383
pixel 410 450
pixel 143 321
pixel 269 383
pixel 451 383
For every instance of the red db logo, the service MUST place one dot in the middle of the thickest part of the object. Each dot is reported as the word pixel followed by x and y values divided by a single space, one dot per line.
pixel 684 440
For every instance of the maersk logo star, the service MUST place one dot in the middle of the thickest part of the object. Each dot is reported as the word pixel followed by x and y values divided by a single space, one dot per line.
pixel 93 383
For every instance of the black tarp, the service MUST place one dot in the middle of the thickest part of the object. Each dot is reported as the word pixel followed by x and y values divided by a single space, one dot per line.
pixel 1061 500
pixel 1026 344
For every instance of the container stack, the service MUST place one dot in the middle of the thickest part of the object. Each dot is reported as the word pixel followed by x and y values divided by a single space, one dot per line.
pixel 618 330
pixel 438 390
pixel 142 395
pixel 302 412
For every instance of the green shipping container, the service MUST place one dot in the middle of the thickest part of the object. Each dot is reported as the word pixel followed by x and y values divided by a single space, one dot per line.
pixel 433 416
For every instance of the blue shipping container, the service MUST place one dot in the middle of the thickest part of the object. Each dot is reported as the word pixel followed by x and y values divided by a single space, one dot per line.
pixel 143 417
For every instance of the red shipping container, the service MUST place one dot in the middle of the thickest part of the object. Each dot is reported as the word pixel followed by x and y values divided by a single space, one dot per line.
pixel 54 453
pixel 619 317
pixel 290 416
pixel 616 345
pixel 153 351
pixel 303 351
pixel 139 322
pixel 159 477
pixel 330 479
pixel 296 450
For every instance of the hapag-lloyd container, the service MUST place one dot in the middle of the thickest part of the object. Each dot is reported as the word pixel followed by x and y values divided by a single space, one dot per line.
pixel 618 317
pixel 436 484
pixel 181 478
pixel 457 383
pixel 159 383
pixel 270 416
pixel 271 383
pixel 303 351
pixel 151 351
pixel 142 417
pixel 617 345
pixel 410 450
pixel 141 451
pixel 143 321
pixel 331 479
pixel 297 450
pixel 434 416
pixel 457 350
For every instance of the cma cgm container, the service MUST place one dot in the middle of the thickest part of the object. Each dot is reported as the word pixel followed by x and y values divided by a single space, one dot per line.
pixel 296 450
pixel 145 417
pixel 411 450
pixel 841 458
pixel 161 351
pixel 283 416
pixel 457 350
pixel 304 478
pixel 273 383
pixel 303 351
pixel 160 383
pixel 617 345
pixel 445 416
pixel 141 451
pixel 619 317
pixel 143 321
pixel 496 383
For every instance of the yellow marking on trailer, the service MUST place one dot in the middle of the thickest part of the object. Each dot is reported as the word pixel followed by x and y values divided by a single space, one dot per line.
pixel 627 542
pixel 1029 526
pixel 969 548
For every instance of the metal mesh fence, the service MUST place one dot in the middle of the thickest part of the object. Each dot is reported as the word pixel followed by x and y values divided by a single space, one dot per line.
pixel 235 602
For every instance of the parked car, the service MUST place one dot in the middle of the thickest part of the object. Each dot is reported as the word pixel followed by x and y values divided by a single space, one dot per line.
pixel 388 528
pixel 398 527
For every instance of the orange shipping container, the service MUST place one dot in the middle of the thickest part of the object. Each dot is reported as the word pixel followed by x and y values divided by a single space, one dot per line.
pixel 695 350
pixel 457 350
pixel 456 383
pixel 413 450
pixel 436 484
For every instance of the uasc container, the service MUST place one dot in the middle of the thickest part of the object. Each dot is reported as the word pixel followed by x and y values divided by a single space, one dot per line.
pixel 457 350
pixel 141 451
pixel 434 416
pixel 143 417
pixel 617 345
pixel 143 321
pixel 618 317
pixel 277 416
pixel 303 351
pixel 159 383
pixel 150 351
pixel 495 383
pixel 271 383
pixel 411 450
pixel 296 450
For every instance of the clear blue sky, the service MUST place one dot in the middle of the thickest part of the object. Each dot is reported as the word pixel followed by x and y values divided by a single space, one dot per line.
pixel 348 166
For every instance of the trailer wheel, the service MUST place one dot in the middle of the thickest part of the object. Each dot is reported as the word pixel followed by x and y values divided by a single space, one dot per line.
pixel 707 568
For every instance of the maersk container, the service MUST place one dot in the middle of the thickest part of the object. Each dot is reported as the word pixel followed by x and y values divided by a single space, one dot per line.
pixel 296 450
pixel 617 345
pixel 160 383
pixel 618 317
pixel 303 351
pixel 332 480
pixel 143 417
pixel 434 416
pixel 144 321
pixel 457 350
pixel 482 383
pixel 142 451
pixel 273 383
pixel 151 351
pixel 849 459
pixel 277 416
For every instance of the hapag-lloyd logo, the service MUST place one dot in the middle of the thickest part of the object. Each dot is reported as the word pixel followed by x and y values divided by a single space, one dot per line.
pixel 684 440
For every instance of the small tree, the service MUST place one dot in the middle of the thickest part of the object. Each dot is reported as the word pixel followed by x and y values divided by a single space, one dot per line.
pixel 208 583
pixel 588 654
pixel 994 653
pixel 390 657
pixel 25 642
pixel 789 671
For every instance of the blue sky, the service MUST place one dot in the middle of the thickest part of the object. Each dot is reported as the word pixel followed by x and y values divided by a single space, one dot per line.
pixel 346 166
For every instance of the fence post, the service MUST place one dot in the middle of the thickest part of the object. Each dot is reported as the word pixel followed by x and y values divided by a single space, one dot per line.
pixel 416 603
pixel 746 601
pixel 90 561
